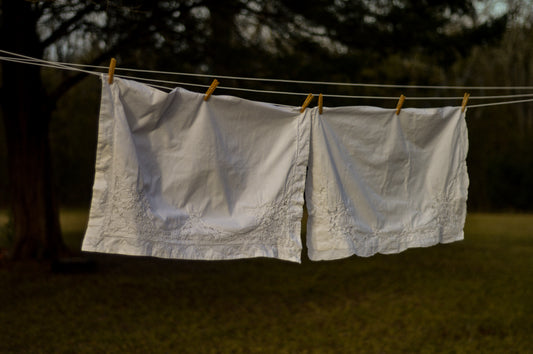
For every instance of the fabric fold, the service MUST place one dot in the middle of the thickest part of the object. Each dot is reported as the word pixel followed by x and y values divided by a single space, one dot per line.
pixel 178 177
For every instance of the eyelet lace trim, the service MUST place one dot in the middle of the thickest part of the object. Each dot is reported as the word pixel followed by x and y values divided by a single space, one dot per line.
pixel 131 227
pixel 347 235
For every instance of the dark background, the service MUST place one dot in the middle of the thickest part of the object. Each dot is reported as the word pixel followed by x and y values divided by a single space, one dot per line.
pixel 410 42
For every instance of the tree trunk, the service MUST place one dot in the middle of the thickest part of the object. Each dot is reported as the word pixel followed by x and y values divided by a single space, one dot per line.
pixel 26 116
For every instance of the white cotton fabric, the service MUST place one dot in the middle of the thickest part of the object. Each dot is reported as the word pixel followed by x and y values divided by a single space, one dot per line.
pixel 381 183
pixel 178 177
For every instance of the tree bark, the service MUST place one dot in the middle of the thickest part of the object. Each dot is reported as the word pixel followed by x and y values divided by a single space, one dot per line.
pixel 26 117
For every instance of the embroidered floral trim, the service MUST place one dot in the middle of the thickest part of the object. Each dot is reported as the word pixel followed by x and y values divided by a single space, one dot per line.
pixel 348 235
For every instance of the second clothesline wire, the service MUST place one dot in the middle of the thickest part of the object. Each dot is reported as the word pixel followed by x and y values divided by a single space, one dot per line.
pixel 23 59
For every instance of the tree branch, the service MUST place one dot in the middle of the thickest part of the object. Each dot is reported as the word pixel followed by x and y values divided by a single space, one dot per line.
pixel 64 28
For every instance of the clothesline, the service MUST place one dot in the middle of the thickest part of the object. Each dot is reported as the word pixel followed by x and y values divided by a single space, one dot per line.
pixel 98 70
pixel 104 69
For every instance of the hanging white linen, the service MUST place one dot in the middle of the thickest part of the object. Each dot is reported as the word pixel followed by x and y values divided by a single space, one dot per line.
pixel 381 183
pixel 178 177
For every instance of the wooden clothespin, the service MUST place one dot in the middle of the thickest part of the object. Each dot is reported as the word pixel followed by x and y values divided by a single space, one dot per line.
pixel 465 101
pixel 211 88
pixel 320 103
pixel 111 71
pixel 306 102
pixel 400 104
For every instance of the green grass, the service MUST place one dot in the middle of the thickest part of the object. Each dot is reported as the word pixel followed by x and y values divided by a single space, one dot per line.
pixel 465 297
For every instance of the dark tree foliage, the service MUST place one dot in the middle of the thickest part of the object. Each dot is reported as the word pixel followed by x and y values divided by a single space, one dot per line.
pixel 315 39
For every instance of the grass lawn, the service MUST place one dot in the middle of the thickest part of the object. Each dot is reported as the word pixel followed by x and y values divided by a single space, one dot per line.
pixel 465 297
